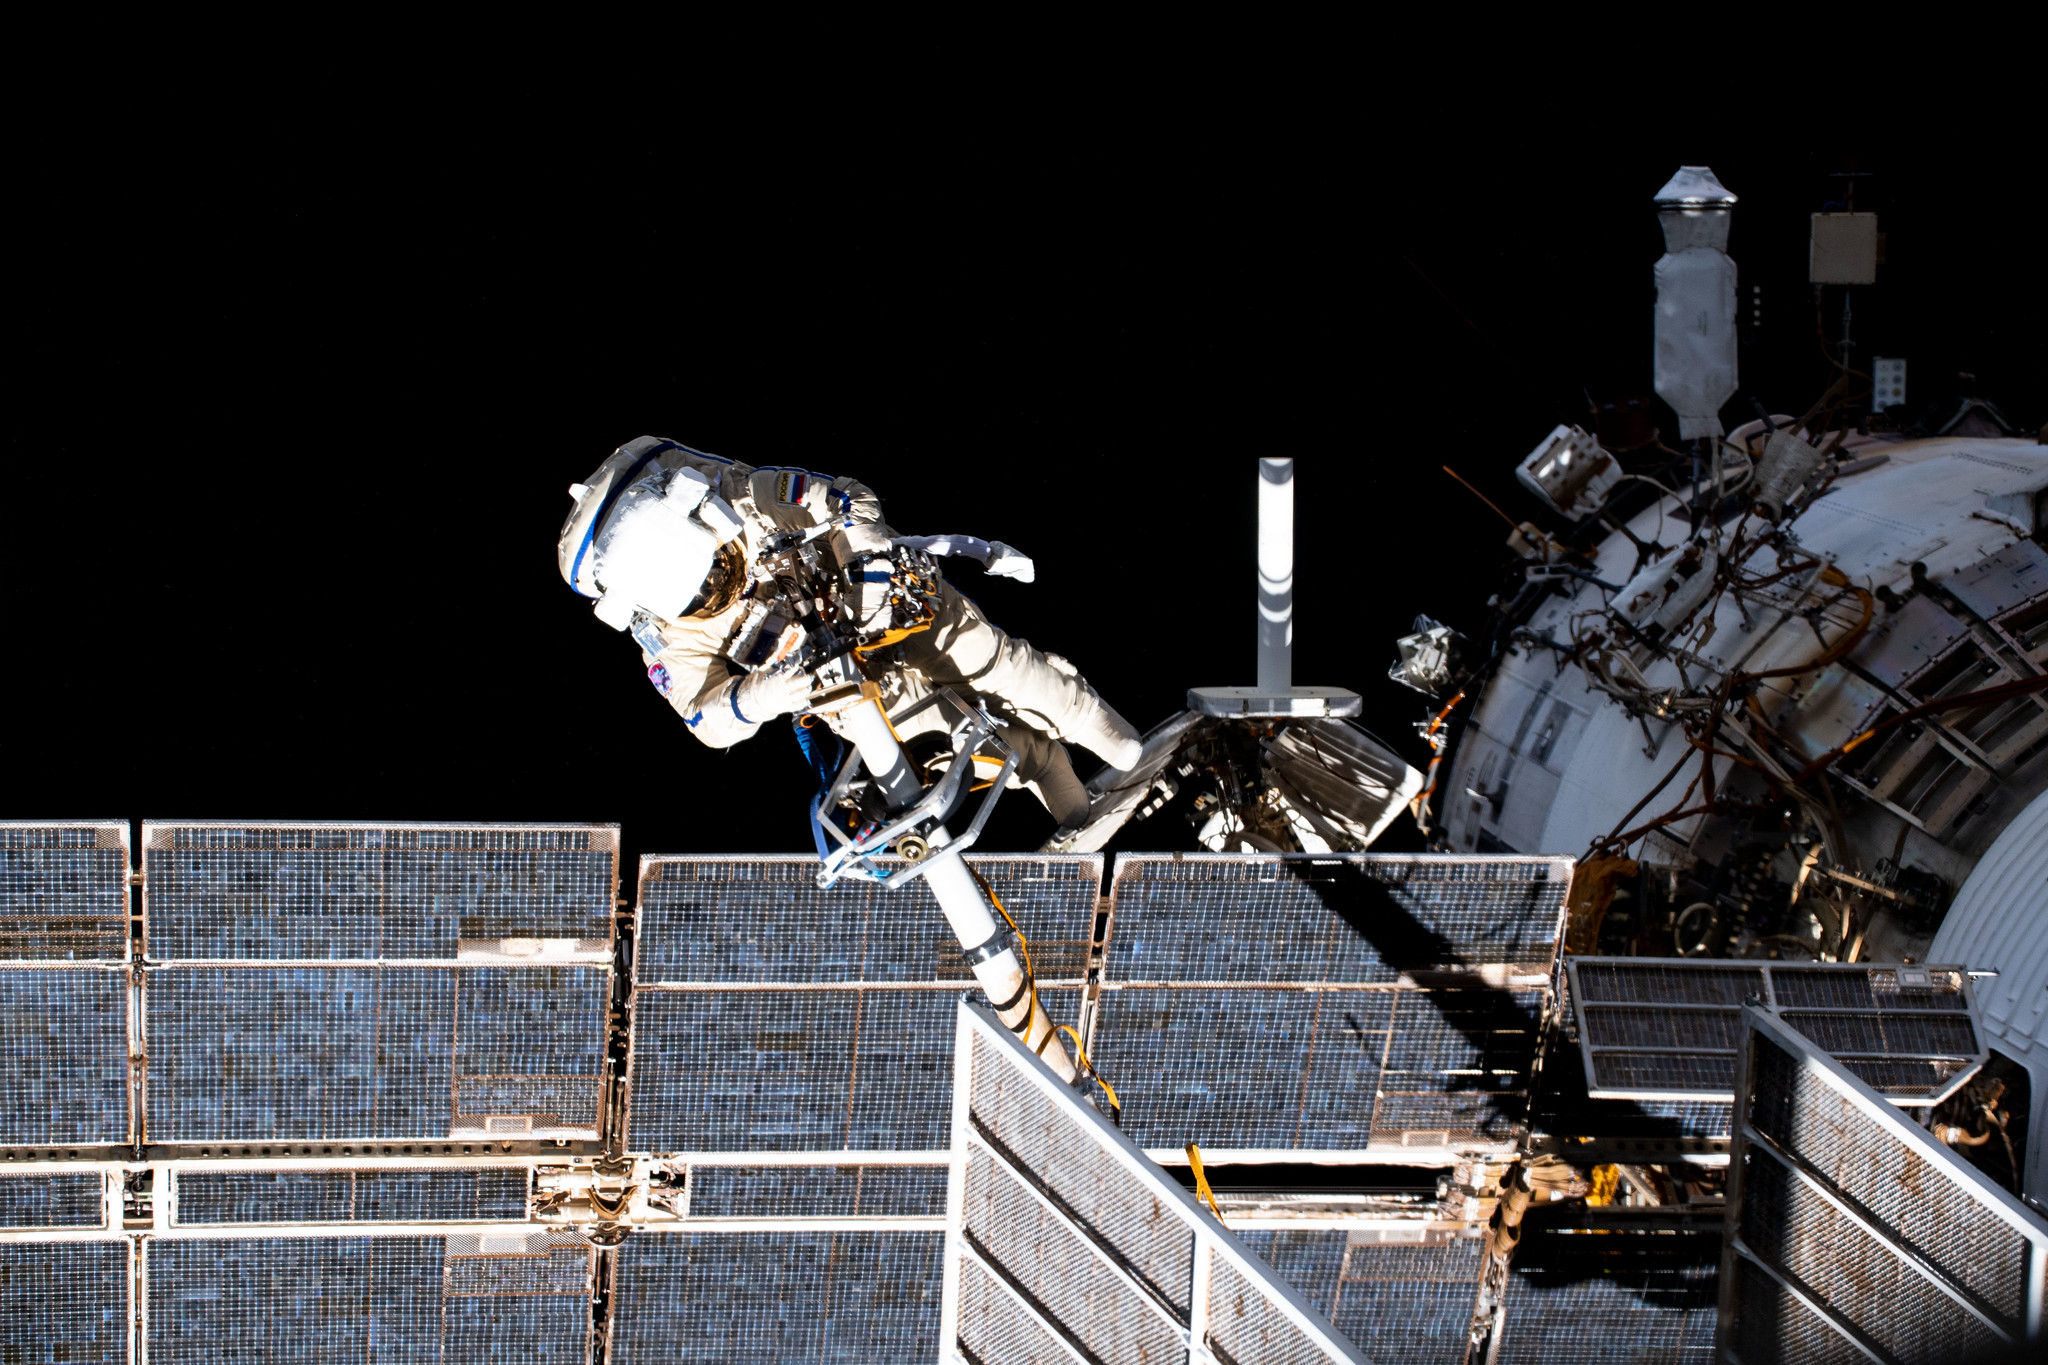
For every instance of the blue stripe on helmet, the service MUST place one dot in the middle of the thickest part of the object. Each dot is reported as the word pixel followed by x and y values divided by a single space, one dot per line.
pixel 611 498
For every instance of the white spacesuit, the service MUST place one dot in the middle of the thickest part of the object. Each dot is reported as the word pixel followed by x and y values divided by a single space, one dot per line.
pixel 666 537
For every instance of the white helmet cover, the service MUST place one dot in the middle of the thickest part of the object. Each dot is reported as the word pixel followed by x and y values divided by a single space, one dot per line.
pixel 642 537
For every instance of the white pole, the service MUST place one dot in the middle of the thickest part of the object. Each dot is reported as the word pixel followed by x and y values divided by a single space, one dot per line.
pixel 1001 975
pixel 1276 576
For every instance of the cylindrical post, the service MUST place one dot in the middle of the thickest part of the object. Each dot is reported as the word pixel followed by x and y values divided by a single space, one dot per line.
pixel 1276 575
pixel 1000 974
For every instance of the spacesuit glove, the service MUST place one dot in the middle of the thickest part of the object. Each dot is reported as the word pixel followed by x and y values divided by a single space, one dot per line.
pixel 767 693
pixel 1007 561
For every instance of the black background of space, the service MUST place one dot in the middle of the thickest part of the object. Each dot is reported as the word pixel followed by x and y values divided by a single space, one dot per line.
pixel 295 406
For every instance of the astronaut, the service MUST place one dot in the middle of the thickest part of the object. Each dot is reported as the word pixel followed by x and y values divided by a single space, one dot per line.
pixel 666 539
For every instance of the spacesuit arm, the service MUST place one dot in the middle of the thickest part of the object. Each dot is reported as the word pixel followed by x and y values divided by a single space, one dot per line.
pixel 1004 561
pixel 705 692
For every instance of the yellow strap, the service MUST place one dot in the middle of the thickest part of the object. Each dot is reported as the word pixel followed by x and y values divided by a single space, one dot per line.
pixel 1089 1067
pixel 1202 1179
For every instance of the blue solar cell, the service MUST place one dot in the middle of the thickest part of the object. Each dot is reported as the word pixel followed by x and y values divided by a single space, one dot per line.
pixel 1621 1296
pixel 295 1300
pixel 530 1040
pixel 509 1329
pixel 779 1071
pixel 64 893
pixel 1249 1067
pixel 60 1199
pixel 740 1298
pixel 818 1191
pixel 271 1196
pixel 299 1053
pixel 64 1301
pixel 64 1053
pixel 274 893
pixel 1311 1261
pixel 1411 1305
pixel 310 1053
pixel 764 921
pixel 1358 919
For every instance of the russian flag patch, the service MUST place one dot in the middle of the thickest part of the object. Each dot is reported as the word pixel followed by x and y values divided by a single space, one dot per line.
pixel 791 486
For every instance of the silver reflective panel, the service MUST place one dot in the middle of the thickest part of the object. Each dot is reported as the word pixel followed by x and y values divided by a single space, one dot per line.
pixel 1066 1242
pixel 1659 1029
pixel 1852 1234
pixel 64 891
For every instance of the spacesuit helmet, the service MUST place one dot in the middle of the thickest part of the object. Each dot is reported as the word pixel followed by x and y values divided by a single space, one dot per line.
pixel 643 537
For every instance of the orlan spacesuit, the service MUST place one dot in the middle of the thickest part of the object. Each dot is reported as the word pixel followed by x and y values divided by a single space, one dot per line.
pixel 666 538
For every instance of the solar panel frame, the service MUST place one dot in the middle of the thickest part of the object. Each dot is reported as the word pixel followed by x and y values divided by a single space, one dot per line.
pixel 346 899
pixel 64 891
pixel 1925 1036
pixel 86 1096
pixel 1943 1257
pixel 1164 1260
pixel 432 1035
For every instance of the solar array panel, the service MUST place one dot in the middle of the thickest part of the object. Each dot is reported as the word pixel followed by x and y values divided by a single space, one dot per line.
pixel 1313 1003
pixel 376 1299
pixel 65 1301
pixel 64 891
pixel 1314 920
pixel 796 1070
pixel 766 1298
pixel 857 1191
pixel 1404 1303
pixel 54 1199
pixel 763 921
pixel 312 1052
pixel 1066 1241
pixel 467 1194
pixel 1851 1225
pixel 1611 1295
pixel 64 1055
pixel 214 891
pixel 1659 1029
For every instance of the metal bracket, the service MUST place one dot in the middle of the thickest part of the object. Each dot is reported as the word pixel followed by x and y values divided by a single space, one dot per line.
pixel 972 733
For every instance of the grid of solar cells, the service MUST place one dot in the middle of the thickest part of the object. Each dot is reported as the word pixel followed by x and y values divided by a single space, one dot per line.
pixel 530 1040
pixel 1251 1067
pixel 513 1329
pixel 300 1053
pixel 64 892
pixel 846 1298
pixel 276 893
pixel 1671 1029
pixel 1866 1184
pixel 1314 920
pixel 867 1191
pixel 548 1270
pixel 316 1053
pixel 796 1070
pixel 463 1194
pixel 58 1199
pixel 64 1301
pixel 64 1055
pixel 294 1300
pixel 764 921
pixel 1616 1297
pixel 1410 1305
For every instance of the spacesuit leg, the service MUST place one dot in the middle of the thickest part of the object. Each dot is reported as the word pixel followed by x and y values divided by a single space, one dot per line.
pixel 966 649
